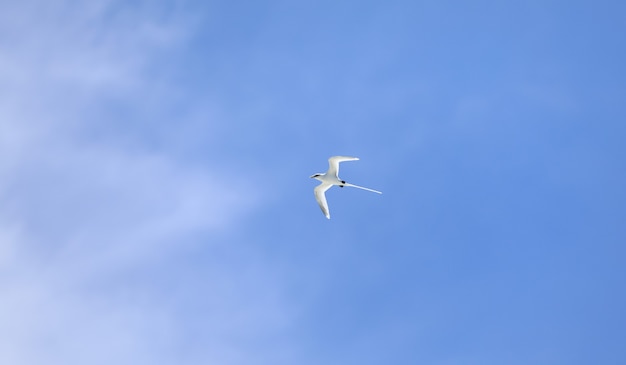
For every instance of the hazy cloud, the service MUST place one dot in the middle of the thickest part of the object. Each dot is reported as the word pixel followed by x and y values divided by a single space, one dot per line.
pixel 81 215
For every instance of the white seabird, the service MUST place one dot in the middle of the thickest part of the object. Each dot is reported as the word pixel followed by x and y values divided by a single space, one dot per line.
pixel 330 178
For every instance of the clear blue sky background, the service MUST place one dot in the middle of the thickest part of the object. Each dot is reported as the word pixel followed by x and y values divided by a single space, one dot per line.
pixel 156 206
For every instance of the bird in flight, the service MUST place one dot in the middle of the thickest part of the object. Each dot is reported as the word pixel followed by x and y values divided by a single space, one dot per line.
pixel 330 178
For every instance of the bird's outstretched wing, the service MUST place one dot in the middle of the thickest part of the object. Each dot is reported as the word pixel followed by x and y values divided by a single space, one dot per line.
pixel 333 164
pixel 320 196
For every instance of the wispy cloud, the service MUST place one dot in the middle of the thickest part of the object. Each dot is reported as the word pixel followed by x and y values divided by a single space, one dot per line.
pixel 59 66
pixel 78 211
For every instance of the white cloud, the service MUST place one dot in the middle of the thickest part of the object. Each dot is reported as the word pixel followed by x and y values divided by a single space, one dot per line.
pixel 64 58
pixel 80 215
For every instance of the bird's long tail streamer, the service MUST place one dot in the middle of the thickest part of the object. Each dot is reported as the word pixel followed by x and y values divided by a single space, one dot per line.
pixel 360 187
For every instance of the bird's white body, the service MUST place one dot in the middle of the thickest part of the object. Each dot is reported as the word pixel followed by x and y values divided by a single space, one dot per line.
pixel 331 178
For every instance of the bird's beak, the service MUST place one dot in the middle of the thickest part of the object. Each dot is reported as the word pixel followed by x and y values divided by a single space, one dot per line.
pixel 312 176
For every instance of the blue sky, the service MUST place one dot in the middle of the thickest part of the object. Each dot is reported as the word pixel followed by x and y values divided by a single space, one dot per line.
pixel 156 206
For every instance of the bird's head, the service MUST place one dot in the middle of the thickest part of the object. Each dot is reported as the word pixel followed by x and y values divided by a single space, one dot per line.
pixel 315 176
